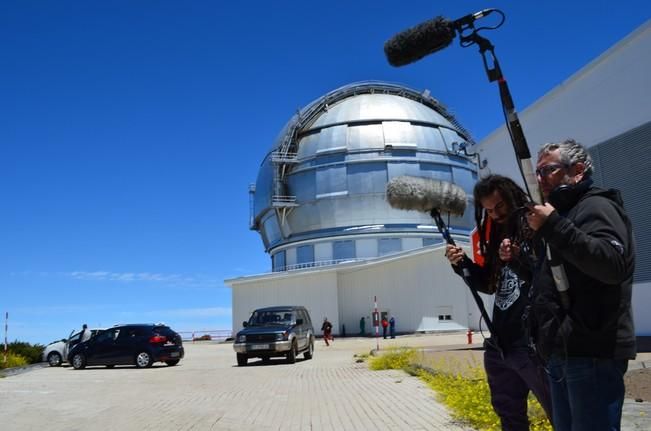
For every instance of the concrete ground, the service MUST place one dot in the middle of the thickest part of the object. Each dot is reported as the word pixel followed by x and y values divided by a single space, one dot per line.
pixel 207 391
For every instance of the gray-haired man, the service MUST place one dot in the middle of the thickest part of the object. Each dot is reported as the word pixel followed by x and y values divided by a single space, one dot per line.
pixel 589 343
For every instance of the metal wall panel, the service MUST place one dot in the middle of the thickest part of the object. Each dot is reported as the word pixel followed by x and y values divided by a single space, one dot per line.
pixel 389 246
pixel 305 254
pixel 366 248
pixel 322 251
pixel 624 163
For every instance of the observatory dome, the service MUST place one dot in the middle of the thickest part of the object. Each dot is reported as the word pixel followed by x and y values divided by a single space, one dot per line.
pixel 320 194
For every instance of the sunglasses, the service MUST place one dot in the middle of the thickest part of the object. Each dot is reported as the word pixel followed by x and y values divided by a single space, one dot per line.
pixel 547 170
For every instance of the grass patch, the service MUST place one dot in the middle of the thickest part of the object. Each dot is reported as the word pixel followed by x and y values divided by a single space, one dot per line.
pixel 31 352
pixel 460 385
pixel 20 354
pixel 393 359
pixel 13 360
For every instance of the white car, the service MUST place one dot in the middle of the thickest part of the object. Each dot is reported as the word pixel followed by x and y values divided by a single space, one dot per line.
pixel 56 352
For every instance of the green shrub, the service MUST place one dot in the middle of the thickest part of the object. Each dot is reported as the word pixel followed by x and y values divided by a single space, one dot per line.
pixel 394 359
pixel 12 361
pixel 32 353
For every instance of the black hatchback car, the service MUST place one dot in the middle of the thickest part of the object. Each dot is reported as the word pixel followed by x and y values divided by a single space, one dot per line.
pixel 136 344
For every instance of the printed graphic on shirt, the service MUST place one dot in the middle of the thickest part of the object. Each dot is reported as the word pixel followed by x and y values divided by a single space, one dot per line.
pixel 509 290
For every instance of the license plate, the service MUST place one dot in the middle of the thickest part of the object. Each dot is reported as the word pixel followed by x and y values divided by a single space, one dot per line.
pixel 174 355
pixel 260 346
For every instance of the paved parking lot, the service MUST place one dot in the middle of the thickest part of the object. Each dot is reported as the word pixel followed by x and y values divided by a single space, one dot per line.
pixel 206 391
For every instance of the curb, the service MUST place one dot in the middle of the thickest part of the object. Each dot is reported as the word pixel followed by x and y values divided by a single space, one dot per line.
pixel 8 372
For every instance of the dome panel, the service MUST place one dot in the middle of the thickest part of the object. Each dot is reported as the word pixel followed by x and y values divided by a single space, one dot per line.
pixel 377 108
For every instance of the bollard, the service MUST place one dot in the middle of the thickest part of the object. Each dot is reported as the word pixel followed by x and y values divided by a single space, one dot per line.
pixel 469 335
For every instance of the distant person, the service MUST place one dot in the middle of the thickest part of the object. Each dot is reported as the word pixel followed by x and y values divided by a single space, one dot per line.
pixel 385 326
pixel 327 331
pixel 392 327
pixel 85 333
pixel 362 326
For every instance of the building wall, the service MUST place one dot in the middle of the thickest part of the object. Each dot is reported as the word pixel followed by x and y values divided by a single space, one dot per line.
pixel 641 301
pixel 316 290
pixel 413 290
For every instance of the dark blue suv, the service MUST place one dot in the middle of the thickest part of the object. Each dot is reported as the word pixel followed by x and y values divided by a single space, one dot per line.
pixel 137 344
pixel 275 331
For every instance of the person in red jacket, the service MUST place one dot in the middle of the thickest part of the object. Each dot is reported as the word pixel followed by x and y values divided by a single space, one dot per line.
pixel 327 331
pixel 385 326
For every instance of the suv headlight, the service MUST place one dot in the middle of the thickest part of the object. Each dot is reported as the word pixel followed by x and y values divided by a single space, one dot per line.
pixel 282 335
pixel 241 338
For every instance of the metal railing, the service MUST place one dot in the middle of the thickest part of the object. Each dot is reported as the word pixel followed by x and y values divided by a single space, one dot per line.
pixel 319 263
pixel 283 201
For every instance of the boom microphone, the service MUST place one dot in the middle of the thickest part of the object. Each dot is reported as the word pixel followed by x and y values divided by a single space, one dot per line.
pixel 426 38
pixel 425 194
pixel 417 42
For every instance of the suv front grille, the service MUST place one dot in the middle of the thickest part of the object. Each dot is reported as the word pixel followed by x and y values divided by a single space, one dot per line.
pixel 260 337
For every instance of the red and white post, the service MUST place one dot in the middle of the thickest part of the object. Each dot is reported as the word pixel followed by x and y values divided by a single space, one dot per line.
pixel 6 327
pixel 376 323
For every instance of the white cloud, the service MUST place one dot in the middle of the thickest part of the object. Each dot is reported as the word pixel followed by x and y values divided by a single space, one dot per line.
pixel 176 313
pixel 198 312
pixel 50 310
pixel 148 277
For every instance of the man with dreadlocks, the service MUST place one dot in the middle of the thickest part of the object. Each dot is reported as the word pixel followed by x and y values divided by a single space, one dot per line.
pixel 511 369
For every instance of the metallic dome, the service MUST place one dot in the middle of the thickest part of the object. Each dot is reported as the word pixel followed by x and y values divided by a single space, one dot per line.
pixel 320 192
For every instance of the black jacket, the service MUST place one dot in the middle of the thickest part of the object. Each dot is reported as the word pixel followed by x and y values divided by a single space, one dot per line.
pixel 594 240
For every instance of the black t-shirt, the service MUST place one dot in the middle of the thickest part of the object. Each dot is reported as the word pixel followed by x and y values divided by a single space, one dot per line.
pixel 511 290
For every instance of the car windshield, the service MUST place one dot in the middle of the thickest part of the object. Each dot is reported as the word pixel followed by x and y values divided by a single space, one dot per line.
pixel 261 318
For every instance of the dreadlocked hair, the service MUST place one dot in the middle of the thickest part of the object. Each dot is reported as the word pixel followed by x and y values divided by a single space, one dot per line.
pixel 513 197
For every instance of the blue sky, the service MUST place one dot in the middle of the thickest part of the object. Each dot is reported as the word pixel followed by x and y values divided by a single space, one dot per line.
pixel 130 131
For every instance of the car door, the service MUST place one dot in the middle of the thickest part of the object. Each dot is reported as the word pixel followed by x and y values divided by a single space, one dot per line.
pixel 301 331
pixel 94 349
pixel 73 340
pixel 102 350
pixel 128 344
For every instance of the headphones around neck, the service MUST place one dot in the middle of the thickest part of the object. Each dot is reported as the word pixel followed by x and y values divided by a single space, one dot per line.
pixel 565 196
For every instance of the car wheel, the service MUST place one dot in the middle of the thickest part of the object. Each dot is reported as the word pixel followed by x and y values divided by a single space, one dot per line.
pixel 144 360
pixel 310 350
pixel 172 362
pixel 242 360
pixel 291 355
pixel 78 361
pixel 54 359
